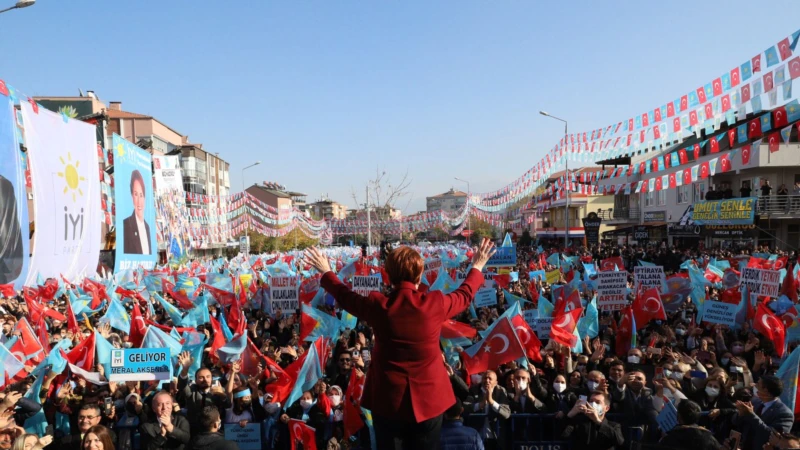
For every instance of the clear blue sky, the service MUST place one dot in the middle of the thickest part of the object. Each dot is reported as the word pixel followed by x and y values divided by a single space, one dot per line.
pixel 323 92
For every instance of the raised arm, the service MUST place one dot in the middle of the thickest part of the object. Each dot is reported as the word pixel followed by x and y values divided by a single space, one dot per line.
pixel 459 300
pixel 355 304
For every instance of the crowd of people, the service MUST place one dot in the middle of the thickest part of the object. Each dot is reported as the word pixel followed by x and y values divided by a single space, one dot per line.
pixel 722 381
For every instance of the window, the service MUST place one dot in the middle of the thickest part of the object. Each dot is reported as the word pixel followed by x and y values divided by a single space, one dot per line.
pixel 793 233
pixel 662 198
pixel 650 199
pixel 699 192
pixel 683 194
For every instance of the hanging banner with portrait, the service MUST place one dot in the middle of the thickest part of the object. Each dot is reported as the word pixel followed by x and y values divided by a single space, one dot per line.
pixel 136 213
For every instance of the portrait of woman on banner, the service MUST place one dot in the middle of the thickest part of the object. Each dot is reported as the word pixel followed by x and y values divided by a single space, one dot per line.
pixel 136 231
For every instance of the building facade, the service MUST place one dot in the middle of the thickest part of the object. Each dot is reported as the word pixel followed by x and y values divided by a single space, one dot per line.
pixel 449 202
pixel 327 209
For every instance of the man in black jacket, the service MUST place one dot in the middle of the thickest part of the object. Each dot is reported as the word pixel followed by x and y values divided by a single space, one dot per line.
pixel 211 439
pixel 196 397
pixel 588 427
pixel 493 402
pixel 688 434
pixel 168 430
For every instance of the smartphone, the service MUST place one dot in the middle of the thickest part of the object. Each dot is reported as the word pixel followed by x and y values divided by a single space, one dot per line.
pixel 366 356
pixel 698 374
pixel 215 383
pixel 659 373
pixel 736 369
pixel 583 399
pixel 109 402
pixel 654 350
pixel 735 439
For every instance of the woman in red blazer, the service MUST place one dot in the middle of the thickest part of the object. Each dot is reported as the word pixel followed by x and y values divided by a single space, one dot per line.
pixel 407 387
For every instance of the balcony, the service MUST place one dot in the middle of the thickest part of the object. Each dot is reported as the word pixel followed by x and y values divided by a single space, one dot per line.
pixel 621 214
pixel 779 206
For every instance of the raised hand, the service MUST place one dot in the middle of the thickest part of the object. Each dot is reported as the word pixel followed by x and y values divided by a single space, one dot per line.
pixel 317 260
pixel 482 254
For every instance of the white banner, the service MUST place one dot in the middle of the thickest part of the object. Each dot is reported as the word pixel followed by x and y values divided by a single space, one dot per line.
pixel 612 294
pixel 647 277
pixel 167 172
pixel 761 281
pixel 62 155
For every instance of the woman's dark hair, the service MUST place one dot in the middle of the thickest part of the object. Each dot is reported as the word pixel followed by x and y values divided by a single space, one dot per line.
pixel 102 434
pixel 136 176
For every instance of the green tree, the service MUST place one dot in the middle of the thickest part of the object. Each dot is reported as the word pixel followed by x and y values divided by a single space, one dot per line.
pixel 481 229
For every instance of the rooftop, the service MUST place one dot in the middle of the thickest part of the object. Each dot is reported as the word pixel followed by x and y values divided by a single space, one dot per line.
pixel 451 193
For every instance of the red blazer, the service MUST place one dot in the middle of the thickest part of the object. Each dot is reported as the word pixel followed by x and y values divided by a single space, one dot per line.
pixel 406 379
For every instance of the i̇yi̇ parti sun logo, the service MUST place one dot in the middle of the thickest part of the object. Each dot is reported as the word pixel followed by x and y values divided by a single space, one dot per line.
pixel 120 149
pixel 71 176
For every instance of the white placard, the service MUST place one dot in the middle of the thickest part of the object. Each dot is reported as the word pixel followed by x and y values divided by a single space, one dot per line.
pixel 647 277
pixel 761 281
pixel 364 285
pixel 612 290
pixel 283 293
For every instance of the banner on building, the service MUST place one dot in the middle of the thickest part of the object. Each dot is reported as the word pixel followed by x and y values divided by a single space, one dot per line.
pixel 612 293
pixel 591 228
pixel 734 211
pixel 14 245
pixel 761 281
pixel 136 212
pixel 167 173
pixel 62 155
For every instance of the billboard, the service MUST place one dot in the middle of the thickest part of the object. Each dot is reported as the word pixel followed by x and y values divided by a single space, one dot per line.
pixel 136 212
pixel 62 155
pixel 14 243
pixel 734 211
pixel 167 173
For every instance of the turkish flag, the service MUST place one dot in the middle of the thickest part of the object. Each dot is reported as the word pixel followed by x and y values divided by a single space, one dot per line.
pixel 453 329
pixel 657 114
pixel 7 290
pixel 672 181
pixel 746 155
pixel 303 434
pixel 138 328
pixel 779 117
pixel 717 87
pixel 82 355
pixel 659 184
pixel 352 403
pixel 687 176
pixel 794 67
pixel 769 82
pixel 725 163
pixel 656 132
pixel 645 120
pixel 726 102
pixel 731 296
pixel 693 118
pixel 696 151
pixel 630 124
pixel 704 170
pixel 766 323
pixel 562 331
pixel 282 387
pixel 754 128
pixel 27 346
pixel 641 167
pixel 784 49
pixel 789 287
pixel 684 103
pixel 709 109
pixel 735 77
pixel 683 156
pixel 648 306
pixel 670 109
pixel 745 93
pixel 653 165
pixel 498 347
pixel 731 137
pixel 527 337
pixel 625 330
pixel 780 263
pixel 714 144
pixel 607 265
pixel 774 140
pixel 676 124
pixel 72 322
pixel 701 94
pixel 757 63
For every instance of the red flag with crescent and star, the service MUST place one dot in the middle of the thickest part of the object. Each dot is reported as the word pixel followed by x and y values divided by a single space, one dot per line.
pixel 527 337
pixel 301 433
pixel 648 306
pixel 562 331
pixel 766 323
pixel 498 347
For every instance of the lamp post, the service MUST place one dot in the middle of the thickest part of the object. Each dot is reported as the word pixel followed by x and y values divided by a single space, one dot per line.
pixel 566 168
pixel 469 216
pixel 20 4
pixel 251 165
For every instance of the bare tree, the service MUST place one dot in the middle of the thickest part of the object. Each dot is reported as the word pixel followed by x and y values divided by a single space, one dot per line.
pixel 383 196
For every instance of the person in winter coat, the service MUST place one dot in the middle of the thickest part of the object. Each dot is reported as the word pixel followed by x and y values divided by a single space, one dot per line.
pixel 455 436
pixel 211 438
pixel 688 434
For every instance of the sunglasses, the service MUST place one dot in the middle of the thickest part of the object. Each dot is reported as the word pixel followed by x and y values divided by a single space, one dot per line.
pixel 344 360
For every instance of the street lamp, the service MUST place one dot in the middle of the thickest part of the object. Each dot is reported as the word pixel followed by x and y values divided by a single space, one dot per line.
pixel 20 4
pixel 469 217
pixel 566 168
pixel 251 165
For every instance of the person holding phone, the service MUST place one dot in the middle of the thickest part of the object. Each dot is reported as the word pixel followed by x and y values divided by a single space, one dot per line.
pixel 407 389
pixel 197 396
pixel 688 434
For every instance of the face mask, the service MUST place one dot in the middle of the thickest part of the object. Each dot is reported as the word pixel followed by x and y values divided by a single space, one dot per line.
pixel 599 408
pixel 633 359
pixel 213 314
pixel 592 385
pixel 667 373
pixel 755 391
pixel 725 361
pixel 305 404
pixel 559 387
pixel 336 399
pixel 712 392
pixel 680 331
pixel 677 375
pixel 523 385
pixel 272 408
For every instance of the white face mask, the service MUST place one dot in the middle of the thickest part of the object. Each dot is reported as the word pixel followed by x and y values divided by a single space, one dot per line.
pixel 599 408
pixel 475 379
pixel 712 392
pixel 592 385
pixel 680 331
pixel 677 375
pixel 633 359
pixel 305 404
pixel 522 385
pixel 272 408
pixel 336 399
pixel 559 387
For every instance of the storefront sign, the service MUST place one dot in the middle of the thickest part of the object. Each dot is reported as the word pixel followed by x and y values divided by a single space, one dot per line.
pixel 735 211
pixel 730 231
pixel 641 234
pixel 655 216
pixel 591 228
pixel 678 230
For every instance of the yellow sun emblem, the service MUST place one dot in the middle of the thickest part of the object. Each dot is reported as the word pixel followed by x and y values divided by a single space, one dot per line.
pixel 120 149
pixel 71 176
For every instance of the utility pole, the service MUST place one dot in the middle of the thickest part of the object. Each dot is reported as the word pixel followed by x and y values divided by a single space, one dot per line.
pixel 369 221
